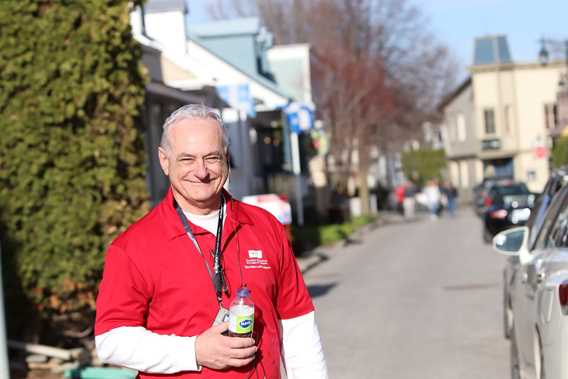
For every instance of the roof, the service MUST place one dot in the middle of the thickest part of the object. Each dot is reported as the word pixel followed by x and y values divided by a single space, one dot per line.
pixel 256 77
pixel 226 27
pixel 491 50
pixel 452 95
pixel 157 6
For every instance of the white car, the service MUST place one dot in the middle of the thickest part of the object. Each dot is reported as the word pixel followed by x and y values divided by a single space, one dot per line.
pixel 539 295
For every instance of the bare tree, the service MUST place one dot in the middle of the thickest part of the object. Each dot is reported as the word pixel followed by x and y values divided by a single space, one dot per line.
pixel 377 71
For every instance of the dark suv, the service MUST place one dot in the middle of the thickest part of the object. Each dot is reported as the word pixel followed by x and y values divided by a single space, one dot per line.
pixel 506 204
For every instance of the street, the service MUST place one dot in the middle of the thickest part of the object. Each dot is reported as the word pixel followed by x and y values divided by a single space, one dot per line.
pixel 413 300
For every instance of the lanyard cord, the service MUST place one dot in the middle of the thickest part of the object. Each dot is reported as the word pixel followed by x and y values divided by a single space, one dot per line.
pixel 217 278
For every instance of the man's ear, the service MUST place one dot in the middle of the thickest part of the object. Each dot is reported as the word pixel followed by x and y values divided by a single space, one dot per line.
pixel 164 160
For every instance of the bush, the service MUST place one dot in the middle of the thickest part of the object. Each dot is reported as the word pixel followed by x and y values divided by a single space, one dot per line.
pixel 71 169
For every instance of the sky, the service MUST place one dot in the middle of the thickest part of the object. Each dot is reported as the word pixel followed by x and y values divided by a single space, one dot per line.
pixel 456 23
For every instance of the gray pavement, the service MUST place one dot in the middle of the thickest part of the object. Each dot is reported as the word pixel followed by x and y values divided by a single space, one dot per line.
pixel 411 300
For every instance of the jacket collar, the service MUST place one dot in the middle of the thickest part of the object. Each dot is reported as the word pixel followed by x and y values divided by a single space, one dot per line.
pixel 174 227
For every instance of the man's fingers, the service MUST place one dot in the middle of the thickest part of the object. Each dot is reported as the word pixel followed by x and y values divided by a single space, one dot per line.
pixel 240 362
pixel 239 342
pixel 243 353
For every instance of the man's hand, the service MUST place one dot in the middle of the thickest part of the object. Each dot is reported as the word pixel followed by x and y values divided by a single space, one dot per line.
pixel 216 351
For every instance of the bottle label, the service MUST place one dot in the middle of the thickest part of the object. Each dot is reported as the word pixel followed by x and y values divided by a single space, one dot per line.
pixel 241 324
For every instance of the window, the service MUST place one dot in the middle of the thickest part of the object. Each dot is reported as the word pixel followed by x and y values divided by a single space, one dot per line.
pixel 555 218
pixel 550 115
pixel 461 127
pixel 489 120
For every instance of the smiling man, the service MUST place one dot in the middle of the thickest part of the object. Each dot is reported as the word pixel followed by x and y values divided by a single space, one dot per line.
pixel 169 279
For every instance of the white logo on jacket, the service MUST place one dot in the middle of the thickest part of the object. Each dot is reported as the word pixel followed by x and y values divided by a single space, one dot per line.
pixel 255 254
pixel 255 260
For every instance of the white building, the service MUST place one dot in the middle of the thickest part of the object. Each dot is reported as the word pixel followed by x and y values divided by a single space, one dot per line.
pixel 497 122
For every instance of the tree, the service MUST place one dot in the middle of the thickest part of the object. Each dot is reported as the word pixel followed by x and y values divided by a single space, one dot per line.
pixel 424 164
pixel 378 72
pixel 560 152
pixel 72 173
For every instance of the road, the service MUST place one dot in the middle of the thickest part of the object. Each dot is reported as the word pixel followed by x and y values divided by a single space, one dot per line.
pixel 413 300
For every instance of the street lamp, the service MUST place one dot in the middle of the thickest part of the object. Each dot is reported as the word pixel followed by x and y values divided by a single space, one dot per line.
pixel 547 44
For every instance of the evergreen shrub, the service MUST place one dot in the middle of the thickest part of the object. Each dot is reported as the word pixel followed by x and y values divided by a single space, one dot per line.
pixel 72 169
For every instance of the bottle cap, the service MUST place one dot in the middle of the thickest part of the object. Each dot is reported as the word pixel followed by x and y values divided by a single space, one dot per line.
pixel 243 292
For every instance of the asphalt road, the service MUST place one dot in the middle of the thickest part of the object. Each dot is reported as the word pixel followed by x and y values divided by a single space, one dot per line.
pixel 415 300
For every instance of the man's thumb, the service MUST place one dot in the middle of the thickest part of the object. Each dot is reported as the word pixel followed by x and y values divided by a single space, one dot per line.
pixel 221 327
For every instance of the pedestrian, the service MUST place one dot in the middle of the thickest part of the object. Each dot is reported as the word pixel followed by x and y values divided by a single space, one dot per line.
pixel 433 197
pixel 170 278
pixel 399 196
pixel 409 201
pixel 450 193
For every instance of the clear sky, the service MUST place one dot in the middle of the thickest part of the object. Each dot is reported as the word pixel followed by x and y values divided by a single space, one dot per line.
pixel 524 22
pixel 458 22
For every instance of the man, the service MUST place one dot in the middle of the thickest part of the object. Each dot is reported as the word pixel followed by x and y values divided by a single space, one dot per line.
pixel 168 279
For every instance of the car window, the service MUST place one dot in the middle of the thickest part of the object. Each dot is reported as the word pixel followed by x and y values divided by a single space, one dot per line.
pixel 515 189
pixel 558 205
pixel 558 236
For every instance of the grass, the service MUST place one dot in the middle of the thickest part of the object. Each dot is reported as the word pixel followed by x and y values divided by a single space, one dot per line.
pixel 310 236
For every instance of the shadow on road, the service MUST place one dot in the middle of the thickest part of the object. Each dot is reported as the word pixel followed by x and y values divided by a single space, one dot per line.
pixel 320 289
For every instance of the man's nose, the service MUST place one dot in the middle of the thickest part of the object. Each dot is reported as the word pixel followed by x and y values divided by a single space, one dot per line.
pixel 200 169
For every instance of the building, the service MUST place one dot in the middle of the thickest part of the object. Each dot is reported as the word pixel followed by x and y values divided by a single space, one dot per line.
pixel 232 56
pixel 497 122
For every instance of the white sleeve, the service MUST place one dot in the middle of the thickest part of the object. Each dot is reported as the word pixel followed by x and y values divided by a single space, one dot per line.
pixel 301 348
pixel 138 348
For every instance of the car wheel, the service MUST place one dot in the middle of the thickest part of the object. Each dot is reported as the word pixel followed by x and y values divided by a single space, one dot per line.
pixel 539 359
pixel 514 357
pixel 507 317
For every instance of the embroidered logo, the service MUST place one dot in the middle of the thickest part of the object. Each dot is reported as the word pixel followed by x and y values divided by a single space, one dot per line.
pixel 255 254
pixel 255 260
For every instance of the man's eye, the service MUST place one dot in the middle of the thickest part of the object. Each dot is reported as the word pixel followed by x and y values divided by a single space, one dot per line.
pixel 213 159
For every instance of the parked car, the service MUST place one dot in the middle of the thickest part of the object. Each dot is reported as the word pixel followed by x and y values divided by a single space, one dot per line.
pixel 539 294
pixel 507 204
pixel 557 180
pixel 480 192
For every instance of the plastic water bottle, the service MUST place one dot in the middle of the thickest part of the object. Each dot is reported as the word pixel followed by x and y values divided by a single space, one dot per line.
pixel 241 314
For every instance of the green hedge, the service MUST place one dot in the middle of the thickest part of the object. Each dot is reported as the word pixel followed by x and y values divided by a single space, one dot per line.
pixel 72 169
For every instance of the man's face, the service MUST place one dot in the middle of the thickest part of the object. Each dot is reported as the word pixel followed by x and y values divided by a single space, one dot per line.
pixel 195 163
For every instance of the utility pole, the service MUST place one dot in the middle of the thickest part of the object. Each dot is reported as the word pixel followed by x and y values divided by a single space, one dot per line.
pixel 4 363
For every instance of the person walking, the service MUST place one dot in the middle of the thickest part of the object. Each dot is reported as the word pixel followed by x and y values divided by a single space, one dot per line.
pixel 433 197
pixel 169 279
pixel 450 192
pixel 409 200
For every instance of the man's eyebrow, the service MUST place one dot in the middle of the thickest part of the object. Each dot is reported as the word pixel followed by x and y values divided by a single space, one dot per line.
pixel 188 155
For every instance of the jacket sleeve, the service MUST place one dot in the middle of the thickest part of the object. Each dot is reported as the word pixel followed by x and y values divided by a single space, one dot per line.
pixel 301 348
pixel 137 348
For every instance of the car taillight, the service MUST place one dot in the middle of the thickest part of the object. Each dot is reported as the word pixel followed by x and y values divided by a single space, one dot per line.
pixel 487 202
pixel 563 296
pixel 501 213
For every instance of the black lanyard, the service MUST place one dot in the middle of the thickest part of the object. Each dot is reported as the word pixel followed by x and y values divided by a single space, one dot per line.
pixel 218 279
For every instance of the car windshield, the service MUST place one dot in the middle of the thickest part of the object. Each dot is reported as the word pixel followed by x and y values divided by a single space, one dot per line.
pixel 513 189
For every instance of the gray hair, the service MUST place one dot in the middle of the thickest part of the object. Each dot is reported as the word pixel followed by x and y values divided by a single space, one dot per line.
pixel 193 111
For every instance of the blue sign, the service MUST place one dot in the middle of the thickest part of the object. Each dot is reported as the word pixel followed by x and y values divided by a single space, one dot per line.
pixel 238 96
pixel 300 117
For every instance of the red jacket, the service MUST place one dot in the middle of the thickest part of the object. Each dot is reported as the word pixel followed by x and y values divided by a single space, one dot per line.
pixel 155 278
